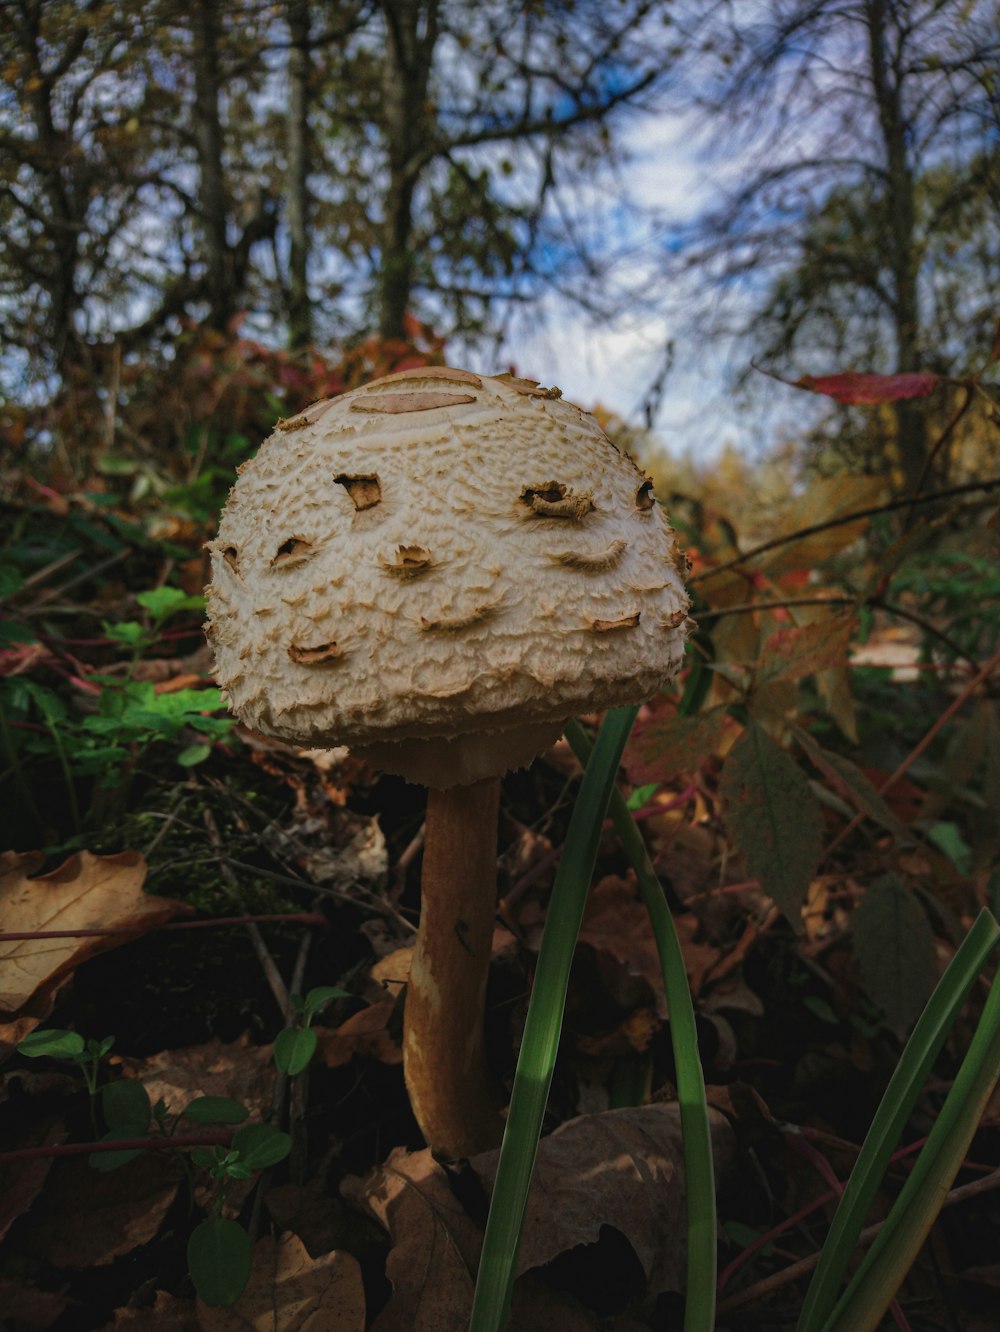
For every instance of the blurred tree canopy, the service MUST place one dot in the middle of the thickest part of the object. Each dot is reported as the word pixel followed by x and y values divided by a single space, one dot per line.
pixel 315 172
pixel 862 224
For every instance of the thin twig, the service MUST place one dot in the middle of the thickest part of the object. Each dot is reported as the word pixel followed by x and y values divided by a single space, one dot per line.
pixel 843 521
pixel 267 962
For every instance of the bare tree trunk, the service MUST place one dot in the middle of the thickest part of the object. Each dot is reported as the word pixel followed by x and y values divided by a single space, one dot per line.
pixel 300 330
pixel 911 424
pixel 212 199
pixel 412 30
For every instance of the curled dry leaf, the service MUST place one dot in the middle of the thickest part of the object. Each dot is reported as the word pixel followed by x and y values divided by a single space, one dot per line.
pixel 291 1292
pixel 168 1314
pixel 621 1169
pixel 86 892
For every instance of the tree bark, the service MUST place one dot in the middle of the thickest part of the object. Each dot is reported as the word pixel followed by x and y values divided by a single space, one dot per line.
pixel 300 330
pixel 411 35
pixel 911 424
pixel 213 204
pixel 451 1089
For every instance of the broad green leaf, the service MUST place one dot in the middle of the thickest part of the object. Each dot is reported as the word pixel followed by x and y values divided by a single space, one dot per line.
pixel 125 1102
pixel 773 817
pixel 193 755
pixel 162 602
pixel 294 1048
pixel 894 946
pixel 640 795
pixel 12 632
pixel 219 1255
pixel 55 1043
pixel 215 1110
pixel 261 1145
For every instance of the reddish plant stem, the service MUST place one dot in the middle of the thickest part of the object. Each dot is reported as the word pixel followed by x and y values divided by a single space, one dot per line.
pixel 299 918
pixel 119 1145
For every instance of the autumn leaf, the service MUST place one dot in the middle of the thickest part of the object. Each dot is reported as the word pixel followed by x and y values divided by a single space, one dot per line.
pixel 774 818
pixel 668 743
pixel 801 650
pixel 855 389
pixel 290 1292
pixel 86 892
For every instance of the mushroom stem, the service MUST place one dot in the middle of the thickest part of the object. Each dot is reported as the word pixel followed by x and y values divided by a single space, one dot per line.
pixel 453 1095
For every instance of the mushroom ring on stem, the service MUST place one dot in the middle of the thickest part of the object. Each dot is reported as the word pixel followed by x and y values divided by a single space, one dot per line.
pixel 438 569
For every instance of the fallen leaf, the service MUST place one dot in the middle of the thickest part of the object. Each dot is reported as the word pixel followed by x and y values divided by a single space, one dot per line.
pixel 87 892
pixel 290 1292
pixel 616 922
pixel 239 1070
pixel 168 1314
pixel 26 1308
pixel 435 1244
pixel 23 1181
pixel 666 744
pixel 88 1218
pixel 365 1034
pixel 623 1168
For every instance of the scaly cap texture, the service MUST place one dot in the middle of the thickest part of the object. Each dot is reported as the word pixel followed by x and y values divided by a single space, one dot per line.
pixel 438 569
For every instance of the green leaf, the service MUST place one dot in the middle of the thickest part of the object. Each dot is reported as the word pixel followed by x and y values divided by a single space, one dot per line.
pixel 205 1157
pixel 320 996
pixel 773 817
pixel 162 602
pixel 11 580
pixel 12 632
pixel 193 755
pixel 130 633
pixel 54 1042
pixel 125 1102
pixel 293 1049
pixel 947 837
pixel 261 1145
pixel 640 795
pixel 894 946
pixel 219 1255
pixel 215 1110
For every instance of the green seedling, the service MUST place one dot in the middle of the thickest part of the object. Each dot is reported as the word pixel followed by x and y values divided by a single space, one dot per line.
pixel 295 1046
pixel 218 1249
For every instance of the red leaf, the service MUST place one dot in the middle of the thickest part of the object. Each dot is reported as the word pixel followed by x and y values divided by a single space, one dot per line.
pixel 853 388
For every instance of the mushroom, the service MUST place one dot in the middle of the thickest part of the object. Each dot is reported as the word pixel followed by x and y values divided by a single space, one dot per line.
pixel 438 569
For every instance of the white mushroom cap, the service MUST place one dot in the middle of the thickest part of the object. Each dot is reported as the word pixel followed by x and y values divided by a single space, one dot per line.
pixel 438 569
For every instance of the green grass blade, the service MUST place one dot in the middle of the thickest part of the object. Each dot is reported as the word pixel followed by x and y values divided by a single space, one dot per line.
pixel 921 1050
pixel 699 1315
pixel 537 1058
pixel 897 1244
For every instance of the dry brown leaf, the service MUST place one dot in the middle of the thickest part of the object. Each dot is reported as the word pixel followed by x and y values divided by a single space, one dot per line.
pixel 365 1034
pixel 23 1181
pixel 435 1244
pixel 623 1168
pixel 290 1292
pixel 616 922
pixel 87 892
pixel 168 1314
pixel 239 1070
pixel 25 1307
pixel 86 1218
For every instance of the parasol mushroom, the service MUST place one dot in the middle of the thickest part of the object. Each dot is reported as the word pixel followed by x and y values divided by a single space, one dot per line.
pixel 438 569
